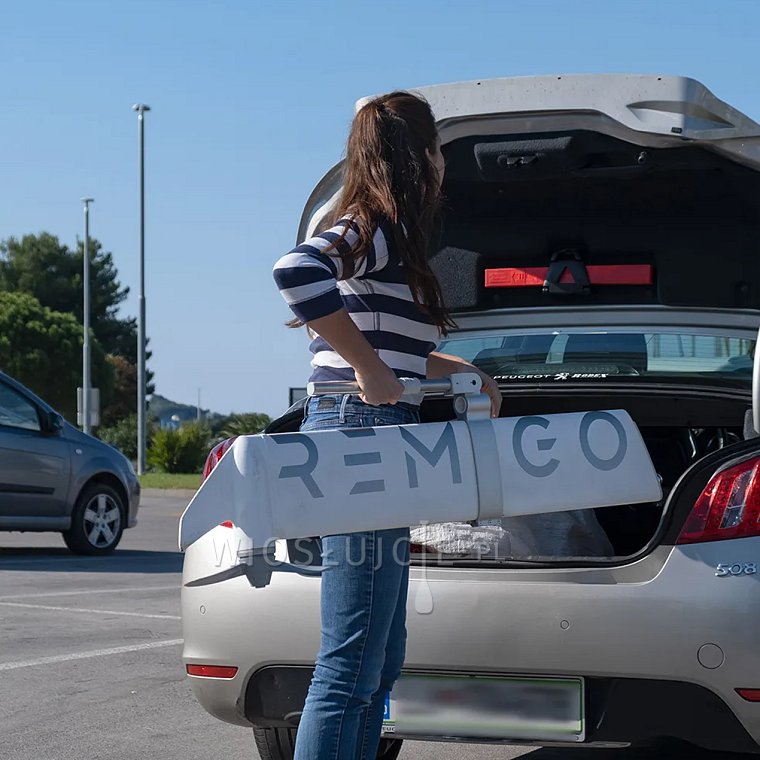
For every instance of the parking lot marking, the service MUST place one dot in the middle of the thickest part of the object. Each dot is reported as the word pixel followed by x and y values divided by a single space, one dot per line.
pixel 88 591
pixel 96 612
pixel 87 655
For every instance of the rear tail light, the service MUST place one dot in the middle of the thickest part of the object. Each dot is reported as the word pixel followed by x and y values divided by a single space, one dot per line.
pixel 729 507
pixel 212 460
pixel 212 671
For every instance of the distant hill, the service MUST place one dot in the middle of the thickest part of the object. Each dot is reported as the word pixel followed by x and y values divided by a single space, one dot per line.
pixel 163 409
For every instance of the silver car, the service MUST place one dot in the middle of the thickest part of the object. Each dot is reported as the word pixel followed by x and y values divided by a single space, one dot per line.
pixel 53 477
pixel 599 250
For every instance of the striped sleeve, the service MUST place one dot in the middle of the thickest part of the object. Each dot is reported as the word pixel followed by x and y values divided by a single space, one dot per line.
pixel 307 276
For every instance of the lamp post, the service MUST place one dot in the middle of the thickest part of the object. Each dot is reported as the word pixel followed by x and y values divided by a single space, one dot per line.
pixel 141 109
pixel 86 381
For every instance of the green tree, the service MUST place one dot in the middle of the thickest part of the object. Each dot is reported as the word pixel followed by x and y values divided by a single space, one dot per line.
pixel 124 397
pixel 45 268
pixel 42 348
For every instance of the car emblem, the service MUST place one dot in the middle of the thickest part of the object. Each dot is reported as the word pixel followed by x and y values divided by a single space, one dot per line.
pixel 726 569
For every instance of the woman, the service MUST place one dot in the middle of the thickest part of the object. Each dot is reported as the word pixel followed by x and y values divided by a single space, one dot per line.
pixel 372 304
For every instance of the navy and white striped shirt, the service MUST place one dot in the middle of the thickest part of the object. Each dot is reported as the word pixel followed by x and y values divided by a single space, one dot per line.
pixel 377 297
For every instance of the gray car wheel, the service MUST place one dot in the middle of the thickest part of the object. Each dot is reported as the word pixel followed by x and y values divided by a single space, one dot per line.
pixel 97 521
pixel 279 744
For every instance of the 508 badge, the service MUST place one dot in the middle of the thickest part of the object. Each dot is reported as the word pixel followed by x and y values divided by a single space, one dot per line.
pixel 737 568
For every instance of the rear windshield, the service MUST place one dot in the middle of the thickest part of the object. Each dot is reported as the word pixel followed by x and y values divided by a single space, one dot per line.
pixel 599 355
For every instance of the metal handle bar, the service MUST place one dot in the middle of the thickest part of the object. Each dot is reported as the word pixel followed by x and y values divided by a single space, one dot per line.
pixel 463 382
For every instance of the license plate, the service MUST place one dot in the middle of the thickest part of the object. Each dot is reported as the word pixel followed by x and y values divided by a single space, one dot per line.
pixel 530 709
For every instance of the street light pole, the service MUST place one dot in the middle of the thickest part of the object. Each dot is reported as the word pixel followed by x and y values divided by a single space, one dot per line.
pixel 141 109
pixel 86 381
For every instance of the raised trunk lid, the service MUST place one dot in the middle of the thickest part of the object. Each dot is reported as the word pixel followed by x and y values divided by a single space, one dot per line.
pixel 609 170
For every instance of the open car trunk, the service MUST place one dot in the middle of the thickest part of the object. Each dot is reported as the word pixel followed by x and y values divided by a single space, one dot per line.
pixel 566 212
pixel 685 431
pixel 582 199
pixel 678 431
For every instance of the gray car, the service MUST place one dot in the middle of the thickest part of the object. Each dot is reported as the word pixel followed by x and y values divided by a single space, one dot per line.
pixel 55 478
pixel 599 250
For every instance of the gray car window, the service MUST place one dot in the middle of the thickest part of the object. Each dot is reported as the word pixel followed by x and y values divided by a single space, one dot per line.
pixel 600 353
pixel 16 411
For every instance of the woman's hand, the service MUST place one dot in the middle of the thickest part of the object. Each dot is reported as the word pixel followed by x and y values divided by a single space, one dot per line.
pixel 490 387
pixel 439 365
pixel 379 385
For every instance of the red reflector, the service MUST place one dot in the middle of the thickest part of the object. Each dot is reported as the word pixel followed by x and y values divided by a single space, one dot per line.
pixel 598 274
pixel 729 507
pixel 751 695
pixel 227 524
pixel 212 671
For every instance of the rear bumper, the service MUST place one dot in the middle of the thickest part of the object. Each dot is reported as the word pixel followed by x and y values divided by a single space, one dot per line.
pixel 664 631
pixel 618 710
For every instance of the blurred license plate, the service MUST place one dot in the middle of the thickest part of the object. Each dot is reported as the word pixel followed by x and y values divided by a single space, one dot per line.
pixel 548 709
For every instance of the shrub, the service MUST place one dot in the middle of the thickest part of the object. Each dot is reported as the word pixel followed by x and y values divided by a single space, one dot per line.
pixel 123 435
pixel 244 424
pixel 182 450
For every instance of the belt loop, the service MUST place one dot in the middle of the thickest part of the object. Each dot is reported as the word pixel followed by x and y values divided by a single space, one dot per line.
pixel 343 402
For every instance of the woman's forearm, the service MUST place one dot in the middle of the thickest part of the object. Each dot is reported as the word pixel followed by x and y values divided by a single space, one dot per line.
pixel 439 364
pixel 377 381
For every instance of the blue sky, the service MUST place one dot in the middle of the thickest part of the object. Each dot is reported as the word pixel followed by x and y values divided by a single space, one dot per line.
pixel 251 103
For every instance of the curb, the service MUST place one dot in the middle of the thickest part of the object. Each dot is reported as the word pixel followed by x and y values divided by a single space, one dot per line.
pixel 182 493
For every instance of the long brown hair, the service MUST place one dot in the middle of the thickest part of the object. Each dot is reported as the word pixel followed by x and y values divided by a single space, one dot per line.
pixel 388 176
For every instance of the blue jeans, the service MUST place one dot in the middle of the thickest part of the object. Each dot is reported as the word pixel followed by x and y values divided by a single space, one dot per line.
pixel 363 611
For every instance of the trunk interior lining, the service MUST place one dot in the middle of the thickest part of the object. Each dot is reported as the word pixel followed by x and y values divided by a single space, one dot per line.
pixel 680 209
pixel 677 431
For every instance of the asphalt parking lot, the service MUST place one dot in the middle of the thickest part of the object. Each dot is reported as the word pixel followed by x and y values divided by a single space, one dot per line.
pixel 90 659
